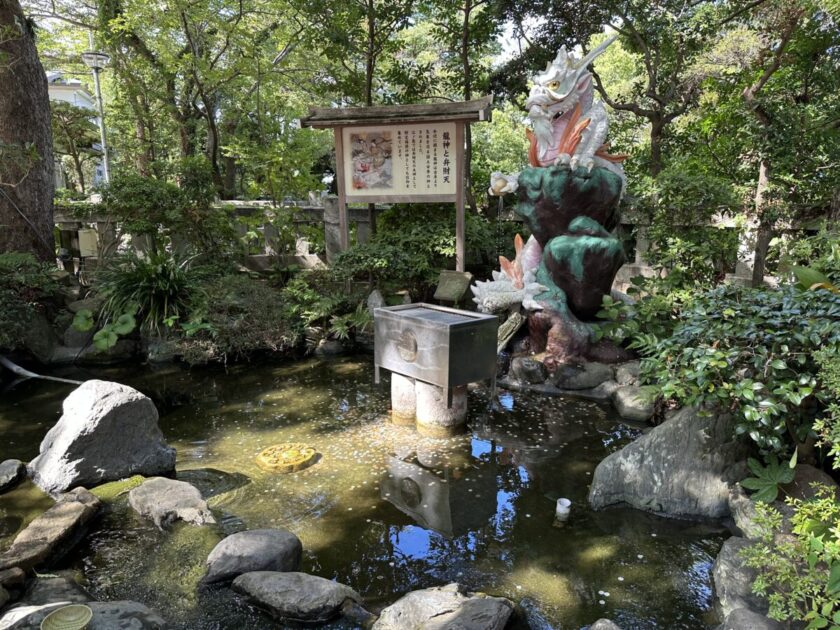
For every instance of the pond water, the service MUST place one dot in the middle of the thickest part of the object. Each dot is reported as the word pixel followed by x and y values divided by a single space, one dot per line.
pixel 383 510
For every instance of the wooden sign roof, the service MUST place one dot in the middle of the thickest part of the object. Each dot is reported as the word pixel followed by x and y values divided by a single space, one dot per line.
pixel 466 111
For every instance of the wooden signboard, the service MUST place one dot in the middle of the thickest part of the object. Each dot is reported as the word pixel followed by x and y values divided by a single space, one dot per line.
pixel 403 153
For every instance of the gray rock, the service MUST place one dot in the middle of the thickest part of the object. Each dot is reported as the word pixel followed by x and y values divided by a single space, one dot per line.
pixel 295 596
pixel 602 393
pixel 4 597
pixel 445 608
pixel 534 617
pixel 584 376
pixel 45 590
pixel 733 581
pixel 165 501
pixel 375 300
pixel 683 467
pixel 39 338
pixel 116 615
pixel 604 624
pixel 528 370
pixel 13 577
pixel 92 304
pixel 633 403
pixel 744 619
pixel 107 432
pixel 628 373
pixel 12 471
pixel 329 348
pixel 805 476
pixel 255 550
pixel 74 338
pixel 53 532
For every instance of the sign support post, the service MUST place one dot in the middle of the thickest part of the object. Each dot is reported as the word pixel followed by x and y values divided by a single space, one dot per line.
pixel 401 154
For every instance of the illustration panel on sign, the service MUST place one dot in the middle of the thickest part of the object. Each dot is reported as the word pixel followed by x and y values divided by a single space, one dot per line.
pixel 372 161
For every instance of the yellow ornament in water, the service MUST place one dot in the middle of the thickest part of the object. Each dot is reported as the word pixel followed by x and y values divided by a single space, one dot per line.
pixel 287 457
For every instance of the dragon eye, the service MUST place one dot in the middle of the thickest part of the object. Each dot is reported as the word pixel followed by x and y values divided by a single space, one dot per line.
pixel 553 85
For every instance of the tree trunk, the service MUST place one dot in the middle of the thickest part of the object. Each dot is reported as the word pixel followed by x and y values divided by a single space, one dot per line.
pixel 27 180
pixel 77 164
pixel 765 224
pixel 657 130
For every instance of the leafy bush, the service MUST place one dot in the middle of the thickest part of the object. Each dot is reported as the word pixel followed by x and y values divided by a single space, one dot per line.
pixel 235 316
pixel 828 425
pixel 413 244
pixel 24 283
pixel 159 289
pixel 800 574
pixel 682 203
pixel 750 351
pixel 183 215
pixel 820 252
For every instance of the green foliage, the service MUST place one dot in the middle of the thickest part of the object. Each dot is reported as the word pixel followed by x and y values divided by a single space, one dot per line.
pixel 168 213
pixel 749 351
pixel 24 284
pixel 800 573
pixel 158 289
pixel 233 317
pixel 820 252
pixel 827 425
pixel 413 244
pixel 767 479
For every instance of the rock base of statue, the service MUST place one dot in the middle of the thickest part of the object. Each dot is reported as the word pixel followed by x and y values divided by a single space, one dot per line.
pixel 572 214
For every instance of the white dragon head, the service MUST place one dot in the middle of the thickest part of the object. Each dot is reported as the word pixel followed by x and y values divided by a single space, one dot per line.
pixel 557 89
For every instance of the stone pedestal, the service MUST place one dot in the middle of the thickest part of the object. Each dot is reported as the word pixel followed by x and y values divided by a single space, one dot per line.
pixel 403 400
pixel 434 417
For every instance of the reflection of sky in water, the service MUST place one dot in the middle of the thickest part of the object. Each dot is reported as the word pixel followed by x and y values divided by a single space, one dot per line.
pixel 498 484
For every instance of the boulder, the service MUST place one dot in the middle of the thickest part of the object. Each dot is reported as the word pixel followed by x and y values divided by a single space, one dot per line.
pixel 39 339
pixel 744 619
pixel 92 304
pixel 733 581
pixel 255 550
pixel 294 596
pixel 165 501
pixel 52 533
pixel 12 578
pixel 445 607
pixel 683 467
pixel 633 403
pixel 12 471
pixel 583 376
pixel 628 373
pixel 4 597
pixel 805 476
pixel 329 348
pixel 74 338
pixel 107 431
pixel 49 590
pixel 602 393
pixel 528 370
pixel 106 616
pixel 604 624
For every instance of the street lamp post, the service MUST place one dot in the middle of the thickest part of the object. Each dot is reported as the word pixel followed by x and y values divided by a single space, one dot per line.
pixel 97 61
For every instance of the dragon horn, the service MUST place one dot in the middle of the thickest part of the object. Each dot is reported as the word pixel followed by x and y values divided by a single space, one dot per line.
pixel 562 57
pixel 583 63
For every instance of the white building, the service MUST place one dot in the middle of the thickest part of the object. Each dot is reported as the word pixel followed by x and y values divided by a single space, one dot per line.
pixel 72 91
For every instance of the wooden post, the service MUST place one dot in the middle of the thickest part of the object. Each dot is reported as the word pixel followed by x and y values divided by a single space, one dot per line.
pixel 460 225
pixel 343 224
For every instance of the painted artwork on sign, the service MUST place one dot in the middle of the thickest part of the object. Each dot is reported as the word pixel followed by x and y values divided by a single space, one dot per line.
pixel 372 161
pixel 400 161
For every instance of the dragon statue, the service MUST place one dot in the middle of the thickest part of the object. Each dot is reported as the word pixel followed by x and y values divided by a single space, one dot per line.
pixel 568 198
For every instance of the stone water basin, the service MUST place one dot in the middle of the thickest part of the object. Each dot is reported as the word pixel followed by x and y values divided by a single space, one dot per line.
pixel 383 511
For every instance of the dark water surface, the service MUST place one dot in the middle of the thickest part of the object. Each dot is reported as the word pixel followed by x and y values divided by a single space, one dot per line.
pixel 384 510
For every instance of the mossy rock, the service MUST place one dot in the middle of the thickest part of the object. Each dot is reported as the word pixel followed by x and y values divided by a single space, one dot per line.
pixel 286 457
pixel 110 492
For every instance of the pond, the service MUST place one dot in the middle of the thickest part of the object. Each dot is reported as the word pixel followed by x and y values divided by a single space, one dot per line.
pixel 383 511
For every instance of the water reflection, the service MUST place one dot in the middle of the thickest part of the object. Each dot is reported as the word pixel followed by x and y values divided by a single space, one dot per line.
pixel 384 510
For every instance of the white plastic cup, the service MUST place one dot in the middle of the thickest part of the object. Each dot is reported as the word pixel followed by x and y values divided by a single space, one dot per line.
pixel 561 512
